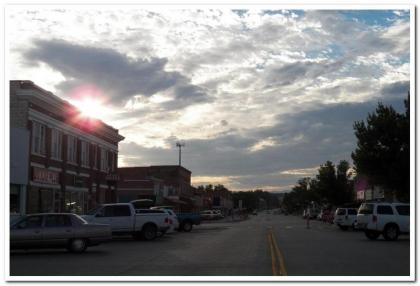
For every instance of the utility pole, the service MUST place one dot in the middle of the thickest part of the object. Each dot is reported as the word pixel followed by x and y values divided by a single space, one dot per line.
pixel 180 145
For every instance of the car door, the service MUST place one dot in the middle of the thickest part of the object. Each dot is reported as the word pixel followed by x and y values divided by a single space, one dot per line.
pixel 57 230
pixel 104 216
pixel 27 233
pixel 403 217
pixel 122 219
pixel 385 214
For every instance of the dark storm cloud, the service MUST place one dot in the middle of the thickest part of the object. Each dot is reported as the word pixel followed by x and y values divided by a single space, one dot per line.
pixel 396 89
pixel 305 140
pixel 290 73
pixel 115 73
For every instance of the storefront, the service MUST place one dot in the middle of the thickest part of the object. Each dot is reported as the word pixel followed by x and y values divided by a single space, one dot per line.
pixel 76 200
pixel 44 192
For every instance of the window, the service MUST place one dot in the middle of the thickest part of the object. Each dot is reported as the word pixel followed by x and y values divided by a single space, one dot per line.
pixel 30 222
pixel 71 149
pixel 387 210
pixel 84 153
pixel 403 210
pixel 57 221
pixel 104 159
pixel 38 138
pixel 351 212
pixel 14 198
pixel 122 211
pixel 56 143
pixel 366 209
pixel 95 157
pixel 108 211
pixel 341 211
pixel 111 162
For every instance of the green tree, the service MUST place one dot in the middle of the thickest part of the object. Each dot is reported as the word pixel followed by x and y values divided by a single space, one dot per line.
pixel 383 149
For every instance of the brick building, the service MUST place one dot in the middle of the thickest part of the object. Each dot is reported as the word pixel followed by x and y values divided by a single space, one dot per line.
pixel 167 184
pixel 60 160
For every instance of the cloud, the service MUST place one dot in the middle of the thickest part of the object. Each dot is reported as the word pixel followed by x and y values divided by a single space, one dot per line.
pixel 303 146
pixel 259 96
pixel 119 76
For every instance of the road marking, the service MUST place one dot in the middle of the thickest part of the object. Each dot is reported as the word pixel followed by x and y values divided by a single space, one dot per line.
pixel 273 258
pixel 273 244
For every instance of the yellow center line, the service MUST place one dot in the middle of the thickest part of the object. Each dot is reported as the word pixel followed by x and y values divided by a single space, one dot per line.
pixel 273 258
pixel 278 255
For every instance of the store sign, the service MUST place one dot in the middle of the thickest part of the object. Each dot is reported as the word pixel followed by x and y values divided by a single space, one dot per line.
pixel 360 195
pixel 368 195
pixel 44 176
pixel 112 177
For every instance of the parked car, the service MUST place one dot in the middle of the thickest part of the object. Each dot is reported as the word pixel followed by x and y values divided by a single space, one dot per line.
pixel 345 218
pixel 208 215
pixel 254 212
pixel 219 214
pixel 173 221
pixel 186 220
pixel 328 216
pixel 57 230
pixel 125 219
pixel 388 219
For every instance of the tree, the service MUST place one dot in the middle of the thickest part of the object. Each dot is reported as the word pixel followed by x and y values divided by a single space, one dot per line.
pixel 383 149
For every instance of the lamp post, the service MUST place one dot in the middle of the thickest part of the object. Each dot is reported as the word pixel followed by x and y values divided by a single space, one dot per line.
pixel 180 145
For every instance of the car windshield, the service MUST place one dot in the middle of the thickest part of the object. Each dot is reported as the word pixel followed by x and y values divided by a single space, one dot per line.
pixel 80 219
pixel 341 211
pixel 366 209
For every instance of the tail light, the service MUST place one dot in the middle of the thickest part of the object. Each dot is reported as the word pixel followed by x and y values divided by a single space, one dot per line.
pixel 170 221
pixel 374 218
pixel 166 220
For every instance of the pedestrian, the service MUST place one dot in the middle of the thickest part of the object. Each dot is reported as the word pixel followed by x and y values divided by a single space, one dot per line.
pixel 307 218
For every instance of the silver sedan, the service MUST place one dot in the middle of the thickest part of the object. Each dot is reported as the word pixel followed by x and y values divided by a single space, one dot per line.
pixel 56 230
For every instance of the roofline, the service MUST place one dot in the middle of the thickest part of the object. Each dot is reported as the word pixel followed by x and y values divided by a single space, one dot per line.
pixel 63 102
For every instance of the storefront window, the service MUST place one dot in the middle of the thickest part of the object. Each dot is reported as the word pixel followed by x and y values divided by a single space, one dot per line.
pixel 41 200
pixel 14 198
pixel 76 202
pixel 46 200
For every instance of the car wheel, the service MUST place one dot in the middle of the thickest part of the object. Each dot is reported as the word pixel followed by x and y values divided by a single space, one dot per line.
pixel 391 232
pixel 77 245
pixel 187 226
pixel 372 235
pixel 343 227
pixel 149 232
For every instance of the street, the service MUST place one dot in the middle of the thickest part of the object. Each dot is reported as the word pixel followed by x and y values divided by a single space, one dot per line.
pixel 263 245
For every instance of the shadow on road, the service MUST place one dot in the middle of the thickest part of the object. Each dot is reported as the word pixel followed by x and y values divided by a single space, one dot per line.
pixel 48 252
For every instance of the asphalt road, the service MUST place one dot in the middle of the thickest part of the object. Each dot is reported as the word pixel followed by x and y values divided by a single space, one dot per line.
pixel 260 246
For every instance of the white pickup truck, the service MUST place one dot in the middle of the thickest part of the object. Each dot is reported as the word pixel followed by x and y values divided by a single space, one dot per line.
pixel 125 219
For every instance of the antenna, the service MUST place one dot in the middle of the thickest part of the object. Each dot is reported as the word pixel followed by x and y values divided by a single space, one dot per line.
pixel 180 145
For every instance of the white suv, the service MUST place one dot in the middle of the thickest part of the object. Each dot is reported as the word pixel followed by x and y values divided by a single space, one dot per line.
pixel 345 217
pixel 388 219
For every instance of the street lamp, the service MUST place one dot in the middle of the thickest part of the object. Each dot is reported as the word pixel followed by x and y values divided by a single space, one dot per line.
pixel 180 145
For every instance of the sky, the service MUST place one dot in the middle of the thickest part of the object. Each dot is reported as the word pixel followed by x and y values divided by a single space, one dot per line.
pixel 260 97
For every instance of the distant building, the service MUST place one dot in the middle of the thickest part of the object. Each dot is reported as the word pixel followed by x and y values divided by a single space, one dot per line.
pixel 165 184
pixel 367 192
pixel 60 161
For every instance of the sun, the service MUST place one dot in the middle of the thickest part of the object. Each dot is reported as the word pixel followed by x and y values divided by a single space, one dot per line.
pixel 91 107
pixel 90 100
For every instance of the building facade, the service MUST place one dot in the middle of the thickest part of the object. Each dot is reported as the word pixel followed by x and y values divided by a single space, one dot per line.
pixel 165 184
pixel 60 160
